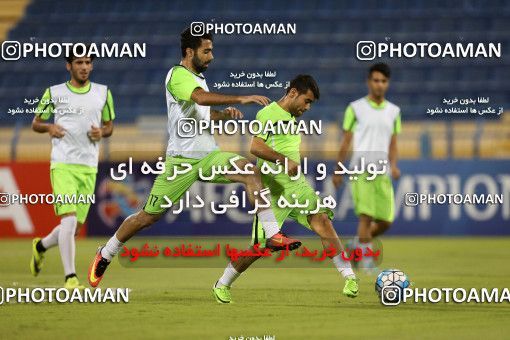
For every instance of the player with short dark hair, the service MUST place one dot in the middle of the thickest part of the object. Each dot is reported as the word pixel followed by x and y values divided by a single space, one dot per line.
pixel 372 123
pixel 301 94
pixel 83 114
pixel 192 41
pixel 302 83
pixel 382 68
pixel 81 50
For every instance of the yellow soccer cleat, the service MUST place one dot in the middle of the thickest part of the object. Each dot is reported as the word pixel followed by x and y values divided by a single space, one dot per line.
pixel 73 283
pixel 36 261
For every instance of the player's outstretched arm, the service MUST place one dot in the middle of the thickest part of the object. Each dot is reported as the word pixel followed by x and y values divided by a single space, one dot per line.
pixel 228 113
pixel 260 149
pixel 202 97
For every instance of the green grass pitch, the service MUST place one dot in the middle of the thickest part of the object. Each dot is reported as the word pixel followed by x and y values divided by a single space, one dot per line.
pixel 288 303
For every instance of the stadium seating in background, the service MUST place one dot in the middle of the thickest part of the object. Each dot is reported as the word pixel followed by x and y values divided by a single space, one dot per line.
pixel 11 12
pixel 328 31
pixel 147 140
pixel 325 46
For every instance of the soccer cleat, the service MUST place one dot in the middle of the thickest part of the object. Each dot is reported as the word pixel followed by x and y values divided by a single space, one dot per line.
pixel 36 261
pixel 73 283
pixel 351 288
pixel 280 241
pixel 97 268
pixel 222 294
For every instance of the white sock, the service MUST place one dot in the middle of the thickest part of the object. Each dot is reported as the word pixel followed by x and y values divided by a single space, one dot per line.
pixel 366 262
pixel 66 243
pixel 344 267
pixel 268 221
pixel 51 240
pixel 112 248
pixel 229 276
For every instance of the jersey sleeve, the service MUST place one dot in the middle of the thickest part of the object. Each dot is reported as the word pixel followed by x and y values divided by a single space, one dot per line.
pixel 182 84
pixel 108 112
pixel 397 127
pixel 263 117
pixel 349 119
pixel 45 107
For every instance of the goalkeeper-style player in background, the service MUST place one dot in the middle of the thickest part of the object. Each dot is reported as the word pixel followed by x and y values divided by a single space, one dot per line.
pixel 83 114
pixel 269 149
pixel 372 124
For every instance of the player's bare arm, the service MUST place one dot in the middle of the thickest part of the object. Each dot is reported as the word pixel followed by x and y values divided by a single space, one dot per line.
pixel 96 133
pixel 393 157
pixel 260 149
pixel 205 98
pixel 54 130
pixel 345 145
pixel 226 114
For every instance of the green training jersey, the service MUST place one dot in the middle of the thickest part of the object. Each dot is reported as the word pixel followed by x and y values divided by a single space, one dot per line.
pixel 180 84
pixel 286 144
pixel 76 110
pixel 373 126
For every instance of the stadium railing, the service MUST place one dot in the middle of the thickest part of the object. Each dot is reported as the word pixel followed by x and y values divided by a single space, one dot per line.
pixel 147 139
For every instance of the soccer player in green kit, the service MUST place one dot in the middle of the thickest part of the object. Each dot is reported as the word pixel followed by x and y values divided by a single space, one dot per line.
pixel 372 124
pixel 300 95
pixel 83 114
pixel 188 97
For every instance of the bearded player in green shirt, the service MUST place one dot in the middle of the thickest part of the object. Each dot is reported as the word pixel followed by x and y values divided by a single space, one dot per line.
pixel 269 149
pixel 188 98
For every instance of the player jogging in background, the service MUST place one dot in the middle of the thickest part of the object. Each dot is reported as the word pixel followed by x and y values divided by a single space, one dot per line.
pixel 83 114
pixel 372 123
pixel 269 149
pixel 188 97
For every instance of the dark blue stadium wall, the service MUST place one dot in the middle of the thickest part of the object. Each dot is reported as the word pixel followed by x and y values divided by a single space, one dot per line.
pixel 325 43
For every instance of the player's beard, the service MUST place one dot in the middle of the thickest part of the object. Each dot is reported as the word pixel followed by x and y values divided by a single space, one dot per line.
pixel 198 65
pixel 378 93
pixel 77 76
pixel 295 111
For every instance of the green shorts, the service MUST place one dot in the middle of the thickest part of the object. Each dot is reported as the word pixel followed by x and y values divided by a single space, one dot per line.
pixel 175 188
pixel 374 198
pixel 302 191
pixel 69 180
